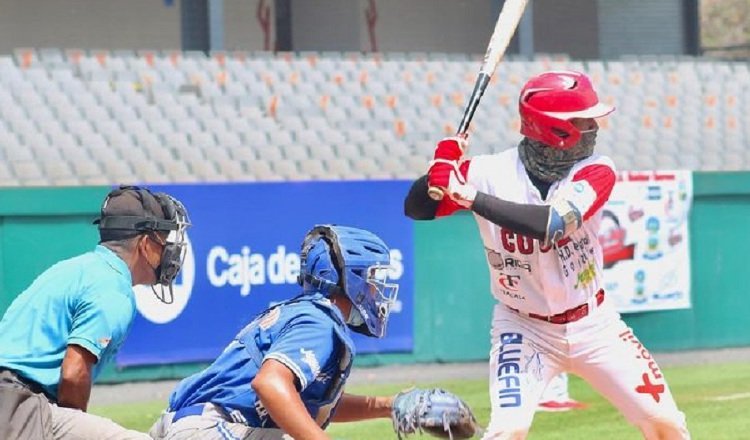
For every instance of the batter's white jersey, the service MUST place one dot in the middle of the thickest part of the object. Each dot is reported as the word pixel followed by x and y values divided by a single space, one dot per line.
pixel 526 274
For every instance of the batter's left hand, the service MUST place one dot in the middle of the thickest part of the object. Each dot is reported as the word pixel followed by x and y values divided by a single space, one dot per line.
pixel 460 191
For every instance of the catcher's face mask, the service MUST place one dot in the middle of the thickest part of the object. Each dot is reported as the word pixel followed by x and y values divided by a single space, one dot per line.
pixel 378 299
pixel 131 211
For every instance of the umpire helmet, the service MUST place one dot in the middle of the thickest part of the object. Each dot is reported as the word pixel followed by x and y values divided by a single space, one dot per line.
pixel 549 101
pixel 355 263
pixel 130 211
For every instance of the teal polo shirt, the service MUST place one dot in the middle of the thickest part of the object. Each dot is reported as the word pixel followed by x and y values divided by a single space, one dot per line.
pixel 87 300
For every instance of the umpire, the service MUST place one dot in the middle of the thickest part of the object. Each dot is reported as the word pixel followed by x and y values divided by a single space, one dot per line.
pixel 57 334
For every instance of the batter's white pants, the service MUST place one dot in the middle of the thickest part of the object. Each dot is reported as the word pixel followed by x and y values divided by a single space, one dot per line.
pixel 212 424
pixel 526 353
pixel 556 390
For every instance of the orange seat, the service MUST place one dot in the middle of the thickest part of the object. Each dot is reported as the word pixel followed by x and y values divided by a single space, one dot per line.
pixel 74 56
pixel 268 79
pixel 391 101
pixel 635 78
pixel 220 58
pixel 323 101
pixel 368 102
pixel 399 127
pixel 732 123
pixel 221 78
pixel 312 59
pixel 101 57
pixel 273 105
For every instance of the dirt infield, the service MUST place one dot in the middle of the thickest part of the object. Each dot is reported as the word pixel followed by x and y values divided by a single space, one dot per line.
pixel 146 391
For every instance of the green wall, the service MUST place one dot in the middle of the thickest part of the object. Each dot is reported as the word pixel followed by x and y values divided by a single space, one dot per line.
pixel 40 226
pixel 452 319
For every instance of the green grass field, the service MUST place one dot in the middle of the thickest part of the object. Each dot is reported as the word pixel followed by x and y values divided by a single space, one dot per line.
pixel 694 388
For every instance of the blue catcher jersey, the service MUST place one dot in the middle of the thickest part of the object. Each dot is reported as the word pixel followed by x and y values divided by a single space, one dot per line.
pixel 307 334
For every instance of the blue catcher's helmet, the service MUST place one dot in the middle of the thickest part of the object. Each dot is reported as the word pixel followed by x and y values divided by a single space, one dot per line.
pixel 354 262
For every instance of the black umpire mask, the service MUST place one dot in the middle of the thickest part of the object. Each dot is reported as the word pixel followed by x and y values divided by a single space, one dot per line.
pixel 131 211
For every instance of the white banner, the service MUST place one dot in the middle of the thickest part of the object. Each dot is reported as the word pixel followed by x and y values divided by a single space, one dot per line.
pixel 644 233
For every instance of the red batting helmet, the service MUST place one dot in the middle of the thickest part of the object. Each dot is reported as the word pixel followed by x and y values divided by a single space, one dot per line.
pixel 550 100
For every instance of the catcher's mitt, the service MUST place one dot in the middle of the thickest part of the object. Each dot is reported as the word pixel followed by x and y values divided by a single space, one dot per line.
pixel 435 411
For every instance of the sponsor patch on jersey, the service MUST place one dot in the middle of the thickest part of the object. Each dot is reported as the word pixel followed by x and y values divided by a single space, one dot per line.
pixel 308 357
pixel 586 276
pixel 270 319
pixel 509 282
pixel 581 195
pixel 495 259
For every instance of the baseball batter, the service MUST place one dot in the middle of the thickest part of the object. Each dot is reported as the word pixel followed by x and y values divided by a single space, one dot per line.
pixel 538 209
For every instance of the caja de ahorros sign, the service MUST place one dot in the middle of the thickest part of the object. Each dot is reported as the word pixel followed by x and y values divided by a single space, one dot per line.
pixel 243 255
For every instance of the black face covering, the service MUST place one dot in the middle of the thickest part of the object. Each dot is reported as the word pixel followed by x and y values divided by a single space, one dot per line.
pixel 550 164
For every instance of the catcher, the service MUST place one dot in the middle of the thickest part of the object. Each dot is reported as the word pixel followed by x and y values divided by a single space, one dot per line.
pixel 283 375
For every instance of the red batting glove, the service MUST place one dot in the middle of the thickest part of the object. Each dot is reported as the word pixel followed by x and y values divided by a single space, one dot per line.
pixel 439 174
pixel 451 148
pixel 447 157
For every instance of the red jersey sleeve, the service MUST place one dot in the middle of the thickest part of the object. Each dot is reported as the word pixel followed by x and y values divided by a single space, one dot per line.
pixel 591 187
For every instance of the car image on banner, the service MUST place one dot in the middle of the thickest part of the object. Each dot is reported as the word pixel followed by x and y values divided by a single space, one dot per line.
pixel 243 255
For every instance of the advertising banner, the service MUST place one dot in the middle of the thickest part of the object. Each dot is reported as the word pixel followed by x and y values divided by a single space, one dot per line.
pixel 244 256
pixel 644 235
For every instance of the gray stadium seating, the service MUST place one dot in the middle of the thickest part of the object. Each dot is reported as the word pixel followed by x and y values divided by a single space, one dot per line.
pixel 72 118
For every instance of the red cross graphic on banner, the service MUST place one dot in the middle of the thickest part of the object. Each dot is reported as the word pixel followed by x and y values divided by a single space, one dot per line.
pixel 655 389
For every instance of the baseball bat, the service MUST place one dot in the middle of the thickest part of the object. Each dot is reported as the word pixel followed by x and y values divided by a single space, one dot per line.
pixel 505 27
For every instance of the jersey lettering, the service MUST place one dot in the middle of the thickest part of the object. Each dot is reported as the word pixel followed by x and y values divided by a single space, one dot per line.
pixel 513 242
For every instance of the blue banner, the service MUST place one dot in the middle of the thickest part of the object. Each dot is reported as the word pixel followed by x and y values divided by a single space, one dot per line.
pixel 244 256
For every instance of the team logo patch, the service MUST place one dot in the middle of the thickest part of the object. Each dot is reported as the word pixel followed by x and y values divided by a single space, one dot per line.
pixel 104 342
pixel 509 282
pixel 270 319
pixel 495 259
pixel 308 357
